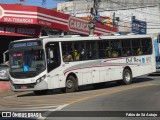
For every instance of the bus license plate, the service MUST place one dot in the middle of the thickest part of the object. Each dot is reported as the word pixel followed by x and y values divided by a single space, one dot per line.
pixel 23 87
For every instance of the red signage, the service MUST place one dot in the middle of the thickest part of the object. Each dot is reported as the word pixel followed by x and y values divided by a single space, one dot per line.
pixel 78 25
pixel 37 16
pixel 20 30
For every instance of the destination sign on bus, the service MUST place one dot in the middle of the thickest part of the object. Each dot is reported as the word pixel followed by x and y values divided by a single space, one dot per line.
pixel 25 44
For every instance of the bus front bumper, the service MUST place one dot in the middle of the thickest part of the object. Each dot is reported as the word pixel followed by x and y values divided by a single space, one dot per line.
pixel 29 87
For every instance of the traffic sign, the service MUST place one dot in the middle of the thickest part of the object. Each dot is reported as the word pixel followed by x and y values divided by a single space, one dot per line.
pixel 139 27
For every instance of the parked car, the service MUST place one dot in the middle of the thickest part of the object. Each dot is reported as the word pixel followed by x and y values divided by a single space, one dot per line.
pixel 4 67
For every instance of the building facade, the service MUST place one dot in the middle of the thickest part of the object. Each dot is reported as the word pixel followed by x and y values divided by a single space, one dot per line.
pixel 144 10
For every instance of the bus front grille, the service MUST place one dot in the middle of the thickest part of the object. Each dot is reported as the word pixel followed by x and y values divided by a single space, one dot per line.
pixel 24 86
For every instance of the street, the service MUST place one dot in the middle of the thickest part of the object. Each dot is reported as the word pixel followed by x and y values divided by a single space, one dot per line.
pixel 142 95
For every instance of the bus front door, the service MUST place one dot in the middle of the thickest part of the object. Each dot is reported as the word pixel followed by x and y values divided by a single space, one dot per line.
pixel 53 63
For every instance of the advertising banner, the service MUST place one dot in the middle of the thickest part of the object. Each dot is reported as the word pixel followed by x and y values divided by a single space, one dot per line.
pixel 20 30
pixel 139 27
pixel 46 18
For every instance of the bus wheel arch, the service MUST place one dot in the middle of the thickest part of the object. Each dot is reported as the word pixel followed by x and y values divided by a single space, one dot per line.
pixel 71 84
pixel 127 75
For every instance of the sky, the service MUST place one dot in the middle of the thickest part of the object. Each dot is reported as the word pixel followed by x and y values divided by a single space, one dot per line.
pixel 49 3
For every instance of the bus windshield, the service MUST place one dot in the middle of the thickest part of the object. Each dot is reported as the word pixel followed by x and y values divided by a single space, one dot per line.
pixel 27 60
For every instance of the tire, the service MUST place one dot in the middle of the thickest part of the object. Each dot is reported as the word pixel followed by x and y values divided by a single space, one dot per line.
pixel 71 84
pixel 41 92
pixel 127 77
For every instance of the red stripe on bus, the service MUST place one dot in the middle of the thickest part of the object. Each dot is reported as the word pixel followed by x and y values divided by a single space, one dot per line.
pixel 94 67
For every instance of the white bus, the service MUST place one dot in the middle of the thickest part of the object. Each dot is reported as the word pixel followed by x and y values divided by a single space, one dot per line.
pixel 72 61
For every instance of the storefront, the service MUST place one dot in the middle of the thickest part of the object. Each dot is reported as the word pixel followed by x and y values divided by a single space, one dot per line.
pixel 19 21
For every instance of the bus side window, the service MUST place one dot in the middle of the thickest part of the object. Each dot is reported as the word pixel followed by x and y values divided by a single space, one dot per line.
pixel 139 51
pixel 115 47
pixel 67 51
pixel 126 48
pixel 146 46
pixel 91 51
pixel 104 49
pixel 107 52
pixel 136 47
pixel 79 51
pixel 67 57
pixel 76 55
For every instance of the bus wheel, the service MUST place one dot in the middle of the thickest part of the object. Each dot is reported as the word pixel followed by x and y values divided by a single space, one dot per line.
pixel 71 84
pixel 127 77
pixel 40 92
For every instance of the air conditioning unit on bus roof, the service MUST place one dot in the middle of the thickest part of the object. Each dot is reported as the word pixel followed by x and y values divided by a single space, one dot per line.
pixel 131 34
pixel 92 35
pixel 70 36
pixel 112 34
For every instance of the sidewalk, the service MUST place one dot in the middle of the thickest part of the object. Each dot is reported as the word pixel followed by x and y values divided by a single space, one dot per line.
pixel 4 86
pixel 7 93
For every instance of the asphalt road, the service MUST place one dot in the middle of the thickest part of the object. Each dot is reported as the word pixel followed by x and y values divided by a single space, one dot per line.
pixel 142 95
pixel 140 99
pixel 144 101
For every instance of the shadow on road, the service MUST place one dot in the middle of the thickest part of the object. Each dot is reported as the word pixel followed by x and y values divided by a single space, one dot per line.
pixel 93 87
pixel 142 79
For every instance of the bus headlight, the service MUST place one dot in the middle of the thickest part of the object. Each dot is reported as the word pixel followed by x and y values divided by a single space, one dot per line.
pixel 41 79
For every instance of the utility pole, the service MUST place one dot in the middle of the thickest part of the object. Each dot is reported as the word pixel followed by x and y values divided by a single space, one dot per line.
pixel 94 13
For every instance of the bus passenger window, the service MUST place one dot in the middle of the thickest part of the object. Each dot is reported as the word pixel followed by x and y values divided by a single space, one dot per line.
pixel 76 55
pixel 115 53
pixel 107 52
pixel 139 51
pixel 136 46
pixel 115 48
pixel 79 51
pixel 146 46
pixel 91 50
pixel 83 54
pixel 126 48
pixel 104 49
pixel 67 57
pixel 67 51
